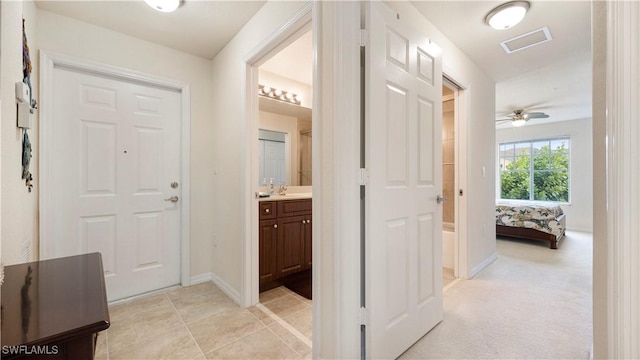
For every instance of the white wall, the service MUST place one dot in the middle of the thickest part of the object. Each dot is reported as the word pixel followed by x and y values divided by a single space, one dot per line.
pixel 75 38
pixel 19 229
pixel 476 141
pixel 580 209
pixel 603 262
pixel 226 136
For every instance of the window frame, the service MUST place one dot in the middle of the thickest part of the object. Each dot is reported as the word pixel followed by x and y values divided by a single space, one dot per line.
pixel 531 170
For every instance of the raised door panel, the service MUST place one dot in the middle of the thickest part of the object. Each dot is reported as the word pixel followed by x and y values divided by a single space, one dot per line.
pixel 290 257
pixel 294 207
pixel 268 238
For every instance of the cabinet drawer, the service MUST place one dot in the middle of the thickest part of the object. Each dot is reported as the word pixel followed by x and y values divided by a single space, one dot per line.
pixel 294 207
pixel 267 210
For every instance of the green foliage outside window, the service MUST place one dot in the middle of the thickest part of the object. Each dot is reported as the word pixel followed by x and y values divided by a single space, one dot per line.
pixel 543 165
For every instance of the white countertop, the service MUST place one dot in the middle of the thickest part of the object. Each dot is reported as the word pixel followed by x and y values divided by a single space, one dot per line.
pixel 289 196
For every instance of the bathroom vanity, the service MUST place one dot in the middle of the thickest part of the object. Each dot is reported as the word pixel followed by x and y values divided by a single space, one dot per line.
pixel 284 238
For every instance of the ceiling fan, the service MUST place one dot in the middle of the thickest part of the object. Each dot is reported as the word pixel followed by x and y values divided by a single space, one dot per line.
pixel 520 117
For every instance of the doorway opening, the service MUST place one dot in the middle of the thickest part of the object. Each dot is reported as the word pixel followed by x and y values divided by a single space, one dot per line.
pixel 279 93
pixel 448 183
pixel 284 121
pixel 453 175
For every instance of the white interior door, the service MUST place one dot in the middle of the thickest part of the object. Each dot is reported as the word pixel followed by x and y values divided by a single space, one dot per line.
pixel 403 254
pixel 115 150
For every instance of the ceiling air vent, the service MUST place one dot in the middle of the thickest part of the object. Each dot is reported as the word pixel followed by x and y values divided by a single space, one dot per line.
pixel 527 40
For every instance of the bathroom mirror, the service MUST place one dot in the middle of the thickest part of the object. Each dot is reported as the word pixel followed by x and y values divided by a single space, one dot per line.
pixel 284 143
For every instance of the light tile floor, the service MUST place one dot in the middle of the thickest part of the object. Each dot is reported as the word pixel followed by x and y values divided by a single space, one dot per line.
pixel 201 322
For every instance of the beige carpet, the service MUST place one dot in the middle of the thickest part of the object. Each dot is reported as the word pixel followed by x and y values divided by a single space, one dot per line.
pixel 531 303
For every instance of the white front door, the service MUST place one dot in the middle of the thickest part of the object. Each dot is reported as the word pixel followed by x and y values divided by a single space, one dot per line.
pixel 115 150
pixel 403 255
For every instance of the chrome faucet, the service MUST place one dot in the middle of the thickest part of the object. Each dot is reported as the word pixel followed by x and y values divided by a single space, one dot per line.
pixel 283 189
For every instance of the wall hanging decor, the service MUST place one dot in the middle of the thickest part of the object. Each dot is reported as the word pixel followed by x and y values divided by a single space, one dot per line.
pixel 26 105
pixel 26 160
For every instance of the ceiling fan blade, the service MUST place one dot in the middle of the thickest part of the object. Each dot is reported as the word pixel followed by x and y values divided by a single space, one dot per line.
pixel 537 115
pixel 503 120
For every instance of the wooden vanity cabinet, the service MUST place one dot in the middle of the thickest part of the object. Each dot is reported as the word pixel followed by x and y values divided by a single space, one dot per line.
pixel 285 239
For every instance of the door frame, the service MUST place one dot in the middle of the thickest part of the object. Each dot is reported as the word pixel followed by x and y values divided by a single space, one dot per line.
pixel 280 38
pixel 48 62
pixel 462 94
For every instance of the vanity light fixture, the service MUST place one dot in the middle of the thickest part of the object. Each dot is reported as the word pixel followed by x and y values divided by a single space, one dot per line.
pixel 507 15
pixel 279 94
pixel 164 5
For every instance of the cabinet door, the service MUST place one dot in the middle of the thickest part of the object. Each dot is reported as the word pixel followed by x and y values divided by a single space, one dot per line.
pixel 290 245
pixel 307 243
pixel 268 238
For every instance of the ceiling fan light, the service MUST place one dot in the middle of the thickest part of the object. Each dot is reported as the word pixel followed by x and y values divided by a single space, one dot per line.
pixel 507 15
pixel 164 5
pixel 518 122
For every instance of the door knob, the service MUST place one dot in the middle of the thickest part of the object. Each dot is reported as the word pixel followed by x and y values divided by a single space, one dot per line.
pixel 173 199
pixel 440 199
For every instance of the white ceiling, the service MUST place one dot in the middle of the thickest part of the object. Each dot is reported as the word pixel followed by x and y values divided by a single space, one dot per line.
pixel 201 28
pixel 295 61
pixel 553 77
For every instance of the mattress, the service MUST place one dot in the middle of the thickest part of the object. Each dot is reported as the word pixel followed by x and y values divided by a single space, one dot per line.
pixel 531 215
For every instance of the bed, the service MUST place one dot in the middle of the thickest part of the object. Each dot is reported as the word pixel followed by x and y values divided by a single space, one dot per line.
pixel 530 220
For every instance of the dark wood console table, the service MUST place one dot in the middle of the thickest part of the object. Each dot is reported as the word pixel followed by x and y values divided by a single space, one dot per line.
pixel 53 307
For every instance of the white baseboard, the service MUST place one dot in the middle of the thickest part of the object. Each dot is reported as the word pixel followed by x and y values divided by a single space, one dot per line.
pixel 221 284
pixel 585 230
pixel 476 269
pixel 198 279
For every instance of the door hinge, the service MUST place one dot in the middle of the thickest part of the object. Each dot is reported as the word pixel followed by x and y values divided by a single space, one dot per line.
pixel 364 316
pixel 363 37
pixel 364 177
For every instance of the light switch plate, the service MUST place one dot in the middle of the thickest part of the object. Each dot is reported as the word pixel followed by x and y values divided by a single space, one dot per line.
pixel 25 118
pixel 22 92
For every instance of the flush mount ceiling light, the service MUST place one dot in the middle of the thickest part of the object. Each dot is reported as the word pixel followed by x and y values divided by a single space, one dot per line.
pixel 164 5
pixel 518 122
pixel 507 15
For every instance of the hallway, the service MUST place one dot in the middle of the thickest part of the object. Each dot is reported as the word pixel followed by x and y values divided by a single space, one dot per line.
pixel 532 302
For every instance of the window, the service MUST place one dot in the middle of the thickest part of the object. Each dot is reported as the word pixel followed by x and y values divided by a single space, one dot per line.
pixel 535 170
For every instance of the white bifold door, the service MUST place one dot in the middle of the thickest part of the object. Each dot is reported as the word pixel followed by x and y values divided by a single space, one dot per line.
pixel 115 178
pixel 403 250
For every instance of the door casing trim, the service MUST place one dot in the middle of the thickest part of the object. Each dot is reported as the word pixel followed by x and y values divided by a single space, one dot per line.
pixel 297 24
pixel 48 62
